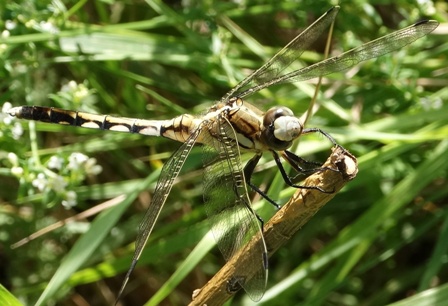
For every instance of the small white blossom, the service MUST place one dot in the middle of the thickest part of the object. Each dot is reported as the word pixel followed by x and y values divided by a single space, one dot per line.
pixel 92 168
pixel 17 171
pixel 17 130
pixel 10 25
pixel 4 115
pixel 70 199
pixel 48 27
pixel 5 34
pixel 81 92
pixel 55 162
pixel 69 87
pixel 40 182
pixel 58 184
pixel 75 160
pixel 29 23
pixel 78 92
pixel 431 104
pixel 7 119
pixel 13 159
pixel 6 107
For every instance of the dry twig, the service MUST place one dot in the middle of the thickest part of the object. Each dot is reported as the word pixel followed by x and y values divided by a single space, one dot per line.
pixel 283 225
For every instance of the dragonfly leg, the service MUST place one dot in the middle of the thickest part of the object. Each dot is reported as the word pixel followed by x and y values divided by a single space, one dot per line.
pixel 234 284
pixel 296 162
pixel 288 180
pixel 260 219
pixel 248 171
pixel 317 130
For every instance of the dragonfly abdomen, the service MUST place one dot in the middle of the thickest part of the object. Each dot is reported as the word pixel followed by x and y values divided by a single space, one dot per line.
pixel 178 128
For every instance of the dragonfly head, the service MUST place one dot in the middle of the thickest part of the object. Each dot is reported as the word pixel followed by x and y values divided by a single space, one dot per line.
pixel 280 128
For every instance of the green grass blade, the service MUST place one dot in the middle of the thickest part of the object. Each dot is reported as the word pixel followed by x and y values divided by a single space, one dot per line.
pixel 7 298
pixel 201 249
pixel 432 297
pixel 88 244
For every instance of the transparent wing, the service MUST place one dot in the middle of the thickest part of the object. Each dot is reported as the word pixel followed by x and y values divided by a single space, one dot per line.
pixel 233 222
pixel 375 48
pixel 291 52
pixel 169 173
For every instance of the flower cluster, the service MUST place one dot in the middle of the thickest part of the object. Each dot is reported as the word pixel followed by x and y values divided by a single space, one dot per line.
pixel 54 178
pixel 57 177
pixel 73 95
pixel 8 124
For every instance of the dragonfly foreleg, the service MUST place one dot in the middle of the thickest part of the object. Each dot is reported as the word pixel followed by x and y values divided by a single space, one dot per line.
pixel 288 180
pixel 296 162
pixel 317 130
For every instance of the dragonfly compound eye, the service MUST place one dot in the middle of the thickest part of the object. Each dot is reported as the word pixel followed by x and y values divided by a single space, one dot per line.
pixel 274 113
pixel 280 128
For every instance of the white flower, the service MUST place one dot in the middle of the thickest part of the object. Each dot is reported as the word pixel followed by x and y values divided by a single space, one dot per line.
pixel 10 24
pixel 17 171
pixel 6 107
pixel 81 92
pixel 92 168
pixel 78 92
pixel 17 130
pixel 431 104
pixel 69 87
pixel 58 184
pixel 70 199
pixel 29 23
pixel 4 115
pixel 75 160
pixel 48 27
pixel 40 182
pixel 55 162
pixel 13 159
pixel 5 34
pixel 7 119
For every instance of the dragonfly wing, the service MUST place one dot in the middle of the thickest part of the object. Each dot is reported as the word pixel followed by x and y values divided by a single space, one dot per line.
pixel 233 222
pixel 286 56
pixel 169 173
pixel 376 48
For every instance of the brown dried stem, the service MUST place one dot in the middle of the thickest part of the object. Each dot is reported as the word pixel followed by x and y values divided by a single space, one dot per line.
pixel 284 224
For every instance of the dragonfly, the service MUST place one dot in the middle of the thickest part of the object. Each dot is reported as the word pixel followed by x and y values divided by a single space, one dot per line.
pixel 229 128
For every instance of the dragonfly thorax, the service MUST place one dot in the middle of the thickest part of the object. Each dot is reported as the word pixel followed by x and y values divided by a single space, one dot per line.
pixel 280 128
